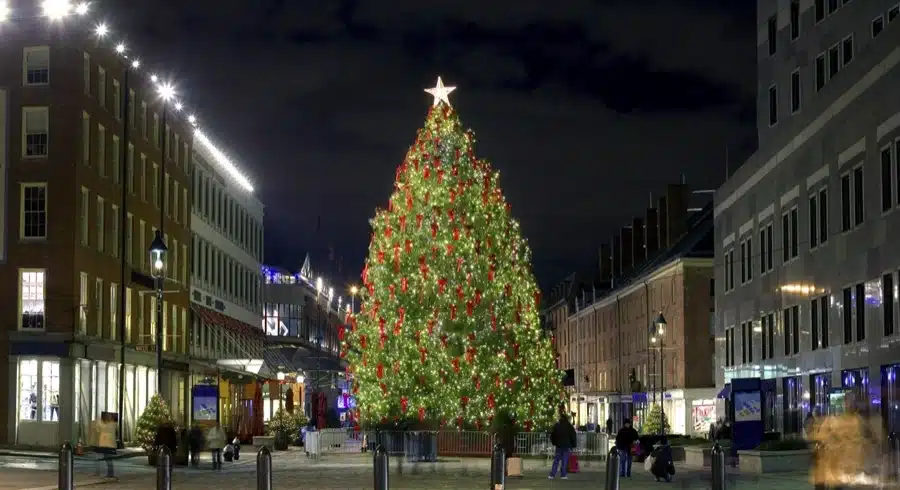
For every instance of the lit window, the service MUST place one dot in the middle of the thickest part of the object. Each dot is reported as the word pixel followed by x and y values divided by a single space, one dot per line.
pixel 36 131
pixel 28 389
pixel 37 65
pixel 32 299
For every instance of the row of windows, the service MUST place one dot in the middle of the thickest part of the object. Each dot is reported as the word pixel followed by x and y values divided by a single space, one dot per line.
pixel 821 10
pixel 224 276
pixel 294 320
pixel 225 214
pixel 878 23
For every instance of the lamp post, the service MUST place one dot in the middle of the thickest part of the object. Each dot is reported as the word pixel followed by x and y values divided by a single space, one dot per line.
pixel 353 291
pixel 319 286
pixel 158 252
pixel 658 331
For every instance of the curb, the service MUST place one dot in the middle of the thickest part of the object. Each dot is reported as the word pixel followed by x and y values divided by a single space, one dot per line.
pixel 39 455
pixel 96 481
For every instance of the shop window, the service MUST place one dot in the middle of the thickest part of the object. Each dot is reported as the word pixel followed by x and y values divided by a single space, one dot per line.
pixel 112 388
pixel 28 390
pixel 50 390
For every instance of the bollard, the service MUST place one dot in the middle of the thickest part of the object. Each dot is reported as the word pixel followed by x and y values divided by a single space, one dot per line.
pixel 498 467
pixel 164 469
pixel 894 449
pixel 380 459
pixel 66 467
pixel 718 467
pixel 264 469
pixel 612 470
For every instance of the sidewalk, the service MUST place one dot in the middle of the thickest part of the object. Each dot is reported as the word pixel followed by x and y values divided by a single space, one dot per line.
pixel 129 452
pixel 14 479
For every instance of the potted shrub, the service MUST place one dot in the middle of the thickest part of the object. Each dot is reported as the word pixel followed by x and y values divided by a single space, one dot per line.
pixel 156 414
pixel 282 428
pixel 300 421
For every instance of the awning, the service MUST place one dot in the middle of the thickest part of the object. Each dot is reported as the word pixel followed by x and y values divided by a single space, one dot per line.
pixel 236 327
pixel 248 341
pixel 303 359
pixel 725 393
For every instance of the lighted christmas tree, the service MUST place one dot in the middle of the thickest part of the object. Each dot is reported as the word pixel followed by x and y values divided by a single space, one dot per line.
pixel 448 330
pixel 156 414
pixel 655 419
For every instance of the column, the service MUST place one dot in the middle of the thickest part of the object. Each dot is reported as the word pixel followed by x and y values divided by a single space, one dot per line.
pixel 67 405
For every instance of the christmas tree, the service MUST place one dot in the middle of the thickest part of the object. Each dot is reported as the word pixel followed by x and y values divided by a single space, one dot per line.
pixel 448 330
pixel 156 414
pixel 654 421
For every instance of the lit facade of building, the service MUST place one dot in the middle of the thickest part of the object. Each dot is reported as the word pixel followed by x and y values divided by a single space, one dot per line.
pixel 806 229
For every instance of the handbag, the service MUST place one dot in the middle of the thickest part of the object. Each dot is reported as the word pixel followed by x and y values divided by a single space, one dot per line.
pixel 648 463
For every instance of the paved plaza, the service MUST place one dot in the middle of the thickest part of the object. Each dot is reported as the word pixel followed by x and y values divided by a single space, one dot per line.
pixel 292 470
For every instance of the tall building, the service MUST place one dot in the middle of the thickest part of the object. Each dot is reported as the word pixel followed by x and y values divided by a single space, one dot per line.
pixel 806 275
pixel 87 182
pixel 228 351
pixel 622 362
pixel 304 315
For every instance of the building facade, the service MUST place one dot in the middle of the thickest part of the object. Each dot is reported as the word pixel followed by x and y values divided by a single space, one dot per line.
pixel 87 181
pixel 303 319
pixel 806 272
pixel 619 369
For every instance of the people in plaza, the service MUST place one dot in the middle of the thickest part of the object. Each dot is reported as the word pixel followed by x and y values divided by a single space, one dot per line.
pixel 609 426
pixel 662 466
pixel 216 441
pixel 564 439
pixel 625 439
pixel 195 444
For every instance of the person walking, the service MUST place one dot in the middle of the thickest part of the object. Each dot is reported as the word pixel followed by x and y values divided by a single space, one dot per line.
pixel 195 444
pixel 609 426
pixel 624 440
pixel 215 441
pixel 564 438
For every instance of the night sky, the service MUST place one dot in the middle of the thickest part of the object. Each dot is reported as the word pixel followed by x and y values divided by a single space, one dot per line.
pixel 584 106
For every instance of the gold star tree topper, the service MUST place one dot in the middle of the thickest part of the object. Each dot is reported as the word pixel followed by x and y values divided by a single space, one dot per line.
pixel 440 92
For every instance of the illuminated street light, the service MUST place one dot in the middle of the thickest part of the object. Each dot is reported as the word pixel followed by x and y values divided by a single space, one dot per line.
pixel 135 63
pixel 192 119
pixel 178 106
pixel 4 11
pixel 82 8
pixel 56 9
pixel 318 285
pixel 120 48
pixel 166 91
pixel 154 78
pixel 101 30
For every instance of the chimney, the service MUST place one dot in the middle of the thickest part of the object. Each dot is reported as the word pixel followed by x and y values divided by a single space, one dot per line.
pixel 638 252
pixel 606 273
pixel 663 220
pixel 677 197
pixel 627 239
pixel 616 259
pixel 651 232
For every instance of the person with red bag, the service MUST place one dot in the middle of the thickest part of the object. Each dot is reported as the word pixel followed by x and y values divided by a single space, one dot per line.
pixel 626 437
pixel 564 438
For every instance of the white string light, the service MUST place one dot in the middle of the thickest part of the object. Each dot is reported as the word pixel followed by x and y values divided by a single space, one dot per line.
pixel 58 9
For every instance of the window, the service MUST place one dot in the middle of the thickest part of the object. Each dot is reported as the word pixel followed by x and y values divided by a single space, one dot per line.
pixel 858 201
pixel 129 336
pixel 117 99
pixel 820 10
pixel 36 131
pixel 773 105
pixel 175 213
pixel 101 86
pixel 85 216
pixel 766 243
pixel 113 310
pixel 834 61
pixel 729 270
pixel 887 302
pixel 795 91
pixel 37 65
pixel 821 72
pixel 129 169
pixel 28 389
pixel 729 346
pixel 131 102
pixel 156 130
pixel 32 297
pixel 860 312
pixel 847 314
pixel 792 330
pixel 814 323
pixel 144 124
pixel 85 138
pixel 33 206
pixel 790 243
pixel 101 224
pixel 129 237
pixel 887 178
pixel 184 261
pixel 86 73
pixel 795 19
pixel 166 195
pixel 773 34
pixel 185 206
pixel 114 231
pixel 833 6
pixel 142 236
pixel 101 150
pixel 143 177
pixel 893 13
pixel 154 185
pixel 852 210
pixel 847 50
pixel 98 306
pixel 746 261
pixel 877 26
pixel 818 218
pixel 82 303
pixel 747 342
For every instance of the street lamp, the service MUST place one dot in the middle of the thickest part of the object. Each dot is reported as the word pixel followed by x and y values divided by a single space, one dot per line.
pixel 657 332
pixel 353 291
pixel 158 251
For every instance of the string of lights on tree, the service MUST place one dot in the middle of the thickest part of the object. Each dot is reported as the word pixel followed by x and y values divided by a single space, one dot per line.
pixel 448 330
pixel 57 10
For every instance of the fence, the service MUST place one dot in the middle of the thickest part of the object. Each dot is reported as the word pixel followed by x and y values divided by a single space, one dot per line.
pixel 426 445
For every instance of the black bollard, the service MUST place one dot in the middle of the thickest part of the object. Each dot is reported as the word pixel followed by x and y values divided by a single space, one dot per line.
pixel 612 470
pixel 894 461
pixel 718 467
pixel 382 473
pixel 66 467
pixel 164 469
pixel 498 467
pixel 264 469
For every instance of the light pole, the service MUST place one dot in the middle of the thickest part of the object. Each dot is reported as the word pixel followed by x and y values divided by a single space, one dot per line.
pixel 319 286
pixel 658 331
pixel 158 252
pixel 353 291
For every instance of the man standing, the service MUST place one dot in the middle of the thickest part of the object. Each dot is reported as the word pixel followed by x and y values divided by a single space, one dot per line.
pixel 624 440
pixel 564 438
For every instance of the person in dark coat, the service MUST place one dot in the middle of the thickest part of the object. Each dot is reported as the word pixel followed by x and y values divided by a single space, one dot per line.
pixel 609 426
pixel 624 440
pixel 663 467
pixel 564 438
pixel 166 437
pixel 195 444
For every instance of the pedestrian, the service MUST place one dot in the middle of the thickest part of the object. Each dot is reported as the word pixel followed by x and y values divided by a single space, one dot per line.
pixel 662 465
pixel 626 437
pixel 609 426
pixel 166 437
pixel 215 441
pixel 195 444
pixel 564 438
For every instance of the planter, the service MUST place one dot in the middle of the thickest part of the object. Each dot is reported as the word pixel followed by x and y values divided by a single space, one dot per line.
pixel 151 458
pixel 774 461
pixel 514 467
pixel 281 445
pixel 267 441
pixel 697 457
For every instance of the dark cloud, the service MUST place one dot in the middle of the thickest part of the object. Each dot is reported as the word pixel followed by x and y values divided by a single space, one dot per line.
pixel 584 106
